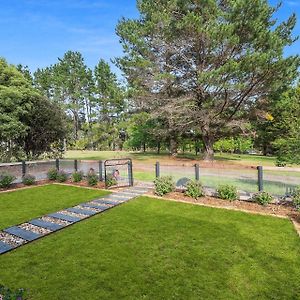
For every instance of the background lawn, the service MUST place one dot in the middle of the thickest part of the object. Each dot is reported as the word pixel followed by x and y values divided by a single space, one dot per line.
pixel 20 206
pixel 154 249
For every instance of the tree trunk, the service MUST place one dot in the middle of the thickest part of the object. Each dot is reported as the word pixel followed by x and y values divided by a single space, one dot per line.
pixel 144 147
pixel 158 147
pixel 208 145
pixel 173 146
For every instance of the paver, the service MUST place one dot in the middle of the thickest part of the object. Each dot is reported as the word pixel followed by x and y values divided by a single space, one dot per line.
pixel 22 233
pixel 44 224
pixel 81 211
pixel 64 217
pixel 5 247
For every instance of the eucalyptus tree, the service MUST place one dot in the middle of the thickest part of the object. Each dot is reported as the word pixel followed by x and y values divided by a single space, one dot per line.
pixel 204 65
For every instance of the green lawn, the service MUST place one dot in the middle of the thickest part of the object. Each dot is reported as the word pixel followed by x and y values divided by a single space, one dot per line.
pixel 23 205
pixel 151 157
pixel 154 249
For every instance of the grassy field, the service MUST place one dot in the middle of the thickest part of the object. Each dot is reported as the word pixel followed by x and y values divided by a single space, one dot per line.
pixel 151 157
pixel 21 206
pixel 154 249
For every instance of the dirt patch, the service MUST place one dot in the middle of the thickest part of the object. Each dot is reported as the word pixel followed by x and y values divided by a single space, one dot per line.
pixel 283 210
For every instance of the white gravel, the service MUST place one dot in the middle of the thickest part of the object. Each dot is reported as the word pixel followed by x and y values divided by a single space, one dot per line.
pixel 56 221
pixel 11 239
pixel 35 229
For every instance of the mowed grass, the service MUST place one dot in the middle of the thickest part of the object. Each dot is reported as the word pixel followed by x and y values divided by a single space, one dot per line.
pixel 151 157
pixel 155 249
pixel 20 206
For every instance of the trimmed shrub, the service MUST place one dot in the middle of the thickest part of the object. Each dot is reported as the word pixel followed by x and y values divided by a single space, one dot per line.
pixel 227 192
pixel 263 198
pixel 28 179
pixel 296 198
pixel 194 189
pixel 52 174
pixel 77 176
pixel 164 185
pixel 61 176
pixel 6 180
pixel 92 178
pixel 110 181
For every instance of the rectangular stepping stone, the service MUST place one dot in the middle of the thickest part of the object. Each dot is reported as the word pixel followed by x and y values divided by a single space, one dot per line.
pixel 102 208
pixel 5 247
pixel 22 233
pixel 64 217
pixel 47 225
pixel 81 211
pixel 116 196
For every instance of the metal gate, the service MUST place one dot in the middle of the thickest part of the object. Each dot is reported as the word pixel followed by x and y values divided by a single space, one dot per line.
pixel 118 173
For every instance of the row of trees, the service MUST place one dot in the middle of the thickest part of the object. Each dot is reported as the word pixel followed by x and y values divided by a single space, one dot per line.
pixel 200 76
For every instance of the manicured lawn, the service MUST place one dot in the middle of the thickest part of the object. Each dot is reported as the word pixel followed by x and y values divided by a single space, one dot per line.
pixel 151 157
pixel 20 206
pixel 154 249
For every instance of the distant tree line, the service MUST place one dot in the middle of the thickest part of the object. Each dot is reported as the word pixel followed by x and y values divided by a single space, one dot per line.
pixel 200 76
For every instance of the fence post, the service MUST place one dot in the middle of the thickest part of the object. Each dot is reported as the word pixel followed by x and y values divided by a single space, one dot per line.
pixel 157 170
pixel 23 168
pixel 76 165
pixel 100 170
pixel 57 164
pixel 260 179
pixel 130 174
pixel 197 172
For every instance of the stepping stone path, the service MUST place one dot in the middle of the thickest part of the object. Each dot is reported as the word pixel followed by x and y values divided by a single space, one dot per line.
pixel 16 236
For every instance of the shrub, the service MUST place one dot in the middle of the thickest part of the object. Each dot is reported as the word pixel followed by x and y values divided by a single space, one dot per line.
pixel 52 174
pixel 227 192
pixel 77 176
pixel 92 178
pixel 296 198
pixel 164 185
pixel 263 198
pixel 110 181
pixel 28 179
pixel 7 294
pixel 61 176
pixel 6 180
pixel 194 189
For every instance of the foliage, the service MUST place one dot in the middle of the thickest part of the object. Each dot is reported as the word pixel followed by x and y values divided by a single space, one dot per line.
pixel 212 61
pixel 227 192
pixel 296 198
pixel 61 176
pixel 194 189
pixel 6 179
pixel 77 176
pixel 110 181
pixel 8 294
pixel 164 185
pixel 52 174
pixel 263 198
pixel 28 179
pixel 92 178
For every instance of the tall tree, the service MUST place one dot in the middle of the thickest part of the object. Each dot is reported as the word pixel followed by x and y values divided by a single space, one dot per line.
pixel 205 64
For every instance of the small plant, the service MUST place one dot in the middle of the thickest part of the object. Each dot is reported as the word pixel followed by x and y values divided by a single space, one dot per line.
pixel 7 294
pixel 194 189
pixel 111 181
pixel 52 174
pixel 61 176
pixel 92 177
pixel 263 198
pixel 296 198
pixel 77 176
pixel 6 180
pixel 28 179
pixel 227 192
pixel 164 185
